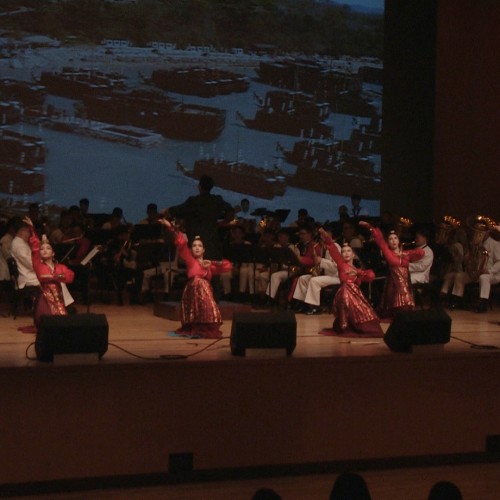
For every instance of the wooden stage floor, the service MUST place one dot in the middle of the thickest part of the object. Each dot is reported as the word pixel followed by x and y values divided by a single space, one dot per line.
pixel 136 329
pixel 334 401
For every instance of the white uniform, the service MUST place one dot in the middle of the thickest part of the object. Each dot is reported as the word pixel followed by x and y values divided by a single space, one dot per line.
pixel 491 277
pixel 21 252
pixel 309 287
pixel 421 269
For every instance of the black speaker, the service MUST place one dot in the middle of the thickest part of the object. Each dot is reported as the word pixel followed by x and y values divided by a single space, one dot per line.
pixel 418 327
pixel 75 333
pixel 263 331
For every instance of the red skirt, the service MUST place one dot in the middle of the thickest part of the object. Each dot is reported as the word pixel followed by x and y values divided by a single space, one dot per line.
pixel 398 293
pixel 354 316
pixel 200 315
pixel 49 302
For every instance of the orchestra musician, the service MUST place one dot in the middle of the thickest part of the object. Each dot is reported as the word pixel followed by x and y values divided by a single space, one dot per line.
pixel 309 286
pixel 420 270
pixel 398 293
pixel 238 250
pixel 279 272
pixel 305 251
pixel 200 315
pixel 487 275
pixel 122 265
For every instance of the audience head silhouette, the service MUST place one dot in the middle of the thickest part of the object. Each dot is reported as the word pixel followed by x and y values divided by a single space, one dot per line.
pixel 350 486
pixel 265 494
pixel 445 490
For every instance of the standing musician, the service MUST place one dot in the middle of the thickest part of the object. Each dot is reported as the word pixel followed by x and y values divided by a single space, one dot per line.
pixel 398 293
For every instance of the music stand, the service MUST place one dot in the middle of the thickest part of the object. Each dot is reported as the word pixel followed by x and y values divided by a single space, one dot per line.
pixel 99 236
pixel 281 214
pixel 283 256
pixel 240 252
pixel 87 260
pixel 146 232
pixel 62 251
pixel 148 254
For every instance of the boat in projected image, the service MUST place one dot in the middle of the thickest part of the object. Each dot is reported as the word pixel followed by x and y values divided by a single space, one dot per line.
pixel 326 167
pixel 290 113
pixel 239 176
pixel 21 149
pixel 151 109
pixel 202 82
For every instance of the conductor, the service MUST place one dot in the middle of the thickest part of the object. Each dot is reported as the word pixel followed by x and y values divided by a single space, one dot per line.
pixel 200 214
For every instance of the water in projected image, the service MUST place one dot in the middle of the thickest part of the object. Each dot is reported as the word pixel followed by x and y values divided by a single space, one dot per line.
pixel 305 132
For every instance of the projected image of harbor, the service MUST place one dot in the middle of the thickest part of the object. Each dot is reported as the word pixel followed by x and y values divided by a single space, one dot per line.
pixel 129 103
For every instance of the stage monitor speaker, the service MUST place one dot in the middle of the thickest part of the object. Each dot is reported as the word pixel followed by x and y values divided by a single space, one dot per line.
pixel 263 331
pixel 418 327
pixel 75 333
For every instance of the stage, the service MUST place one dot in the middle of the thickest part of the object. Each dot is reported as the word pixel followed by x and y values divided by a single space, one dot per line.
pixel 138 413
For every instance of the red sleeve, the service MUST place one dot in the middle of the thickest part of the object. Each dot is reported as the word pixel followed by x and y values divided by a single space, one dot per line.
pixel 366 275
pixel 221 266
pixel 184 252
pixel 416 254
pixel 391 258
pixel 67 274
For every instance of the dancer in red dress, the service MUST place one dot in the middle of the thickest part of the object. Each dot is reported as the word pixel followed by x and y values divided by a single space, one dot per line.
pixel 398 293
pixel 50 274
pixel 354 316
pixel 200 315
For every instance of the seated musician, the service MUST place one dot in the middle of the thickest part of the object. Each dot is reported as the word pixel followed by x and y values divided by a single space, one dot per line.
pixel 420 270
pixel 486 273
pixel 116 219
pixel 350 235
pixel 262 270
pixel 307 293
pixel 79 246
pixel 152 214
pixel 238 252
pixel 304 250
pixel 244 217
pixel 122 265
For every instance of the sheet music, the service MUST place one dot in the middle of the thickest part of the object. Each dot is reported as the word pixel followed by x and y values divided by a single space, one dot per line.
pixel 90 256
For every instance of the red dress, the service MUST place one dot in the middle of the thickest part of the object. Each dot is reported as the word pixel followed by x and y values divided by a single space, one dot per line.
pixel 200 315
pixel 50 300
pixel 398 293
pixel 354 316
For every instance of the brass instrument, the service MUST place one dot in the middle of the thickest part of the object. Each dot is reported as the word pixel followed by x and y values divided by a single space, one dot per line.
pixel 477 257
pixel 403 229
pixel 445 228
pixel 480 226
